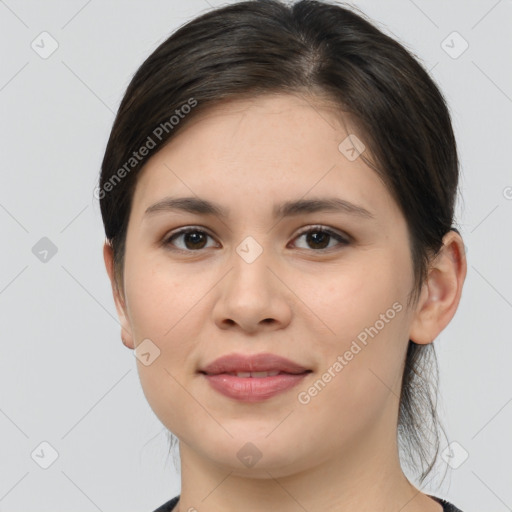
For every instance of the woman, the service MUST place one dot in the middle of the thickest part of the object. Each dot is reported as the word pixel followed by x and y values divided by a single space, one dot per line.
pixel 278 198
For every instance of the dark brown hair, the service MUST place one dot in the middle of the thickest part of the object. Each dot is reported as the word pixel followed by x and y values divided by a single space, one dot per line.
pixel 330 52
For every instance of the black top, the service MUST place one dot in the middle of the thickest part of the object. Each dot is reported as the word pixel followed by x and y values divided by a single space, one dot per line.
pixel 447 507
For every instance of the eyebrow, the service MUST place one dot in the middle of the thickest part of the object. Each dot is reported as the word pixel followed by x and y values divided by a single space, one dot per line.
pixel 200 206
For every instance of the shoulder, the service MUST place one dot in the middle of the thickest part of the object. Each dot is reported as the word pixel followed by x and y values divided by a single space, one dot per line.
pixel 169 505
pixel 447 506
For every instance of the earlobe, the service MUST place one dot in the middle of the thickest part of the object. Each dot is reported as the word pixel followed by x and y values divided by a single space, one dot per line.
pixel 119 300
pixel 440 295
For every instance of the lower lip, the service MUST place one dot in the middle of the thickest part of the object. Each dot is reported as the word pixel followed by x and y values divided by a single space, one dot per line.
pixel 253 389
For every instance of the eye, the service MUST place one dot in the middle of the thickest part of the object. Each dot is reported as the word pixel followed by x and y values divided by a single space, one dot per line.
pixel 320 237
pixel 193 238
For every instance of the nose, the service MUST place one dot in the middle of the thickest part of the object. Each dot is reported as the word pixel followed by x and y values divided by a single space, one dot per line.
pixel 253 295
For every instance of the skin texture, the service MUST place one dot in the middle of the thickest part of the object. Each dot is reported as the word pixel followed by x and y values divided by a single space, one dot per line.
pixel 338 451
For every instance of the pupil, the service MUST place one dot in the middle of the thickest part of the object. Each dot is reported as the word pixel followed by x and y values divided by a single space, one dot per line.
pixel 315 238
pixel 317 234
pixel 195 236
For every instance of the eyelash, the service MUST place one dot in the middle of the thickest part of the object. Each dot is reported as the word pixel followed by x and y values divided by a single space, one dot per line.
pixel 196 229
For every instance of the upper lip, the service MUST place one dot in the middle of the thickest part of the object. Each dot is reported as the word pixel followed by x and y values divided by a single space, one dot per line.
pixel 265 362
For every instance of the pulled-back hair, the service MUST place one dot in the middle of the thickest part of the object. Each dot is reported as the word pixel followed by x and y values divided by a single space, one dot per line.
pixel 330 52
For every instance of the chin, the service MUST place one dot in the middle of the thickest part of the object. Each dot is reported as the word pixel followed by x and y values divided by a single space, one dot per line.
pixel 256 457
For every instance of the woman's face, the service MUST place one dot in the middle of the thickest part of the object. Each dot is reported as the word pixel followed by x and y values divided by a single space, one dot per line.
pixel 252 282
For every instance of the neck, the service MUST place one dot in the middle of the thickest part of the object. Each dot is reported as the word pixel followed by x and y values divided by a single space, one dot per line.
pixel 368 476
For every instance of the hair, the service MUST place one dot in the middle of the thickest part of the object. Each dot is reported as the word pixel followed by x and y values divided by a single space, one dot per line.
pixel 331 53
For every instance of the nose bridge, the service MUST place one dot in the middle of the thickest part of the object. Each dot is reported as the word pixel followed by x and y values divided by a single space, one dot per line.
pixel 251 250
pixel 250 289
pixel 250 260
pixel 251 296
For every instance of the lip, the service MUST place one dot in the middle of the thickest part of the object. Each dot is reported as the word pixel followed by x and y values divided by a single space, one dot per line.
pixel 253 389
pixel 265 362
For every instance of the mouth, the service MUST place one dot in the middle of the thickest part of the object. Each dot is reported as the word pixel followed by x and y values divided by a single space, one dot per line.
pixel 255 365
pixel 253 378
pixel 253 388
pixel 257 375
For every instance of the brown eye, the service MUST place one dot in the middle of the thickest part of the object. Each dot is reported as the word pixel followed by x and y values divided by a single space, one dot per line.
pixel 193 239
pixel 318 238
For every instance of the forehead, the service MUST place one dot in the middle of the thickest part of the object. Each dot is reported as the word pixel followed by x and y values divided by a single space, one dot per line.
pixel 277 121
pixel 249 150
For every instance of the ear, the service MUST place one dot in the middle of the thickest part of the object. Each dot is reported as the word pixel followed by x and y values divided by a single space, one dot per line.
pixel 441 292
pixel 126 331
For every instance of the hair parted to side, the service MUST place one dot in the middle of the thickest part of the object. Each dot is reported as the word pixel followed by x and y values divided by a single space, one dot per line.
pixel 320 50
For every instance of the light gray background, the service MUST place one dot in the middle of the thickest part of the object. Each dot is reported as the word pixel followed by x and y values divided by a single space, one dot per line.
pixel 65 376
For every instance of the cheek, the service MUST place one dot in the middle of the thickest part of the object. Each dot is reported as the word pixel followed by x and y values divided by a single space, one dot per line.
pixel 365 342
pixel 160 298
pixel 359 382
pixel 347 299
pixel 163 308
